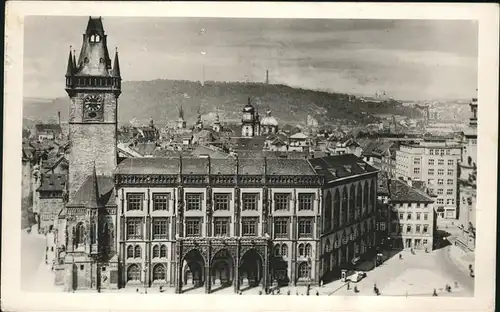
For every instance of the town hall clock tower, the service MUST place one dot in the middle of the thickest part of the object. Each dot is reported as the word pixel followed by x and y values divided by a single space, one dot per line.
pixel 88 251
pixel 93 86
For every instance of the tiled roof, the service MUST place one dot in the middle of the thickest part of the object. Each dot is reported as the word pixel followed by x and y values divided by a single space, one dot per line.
pixel 48 128
pixel 369 148
pixel 340 166
pixel 52 183
pixel 402 192
pixel 105 185
pixel 144 148
pixel 246 166
pixel 248 144
pixel 273 154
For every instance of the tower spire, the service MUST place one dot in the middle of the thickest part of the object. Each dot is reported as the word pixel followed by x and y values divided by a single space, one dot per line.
pixel 116 65
pixel 70 67
pixel 94 192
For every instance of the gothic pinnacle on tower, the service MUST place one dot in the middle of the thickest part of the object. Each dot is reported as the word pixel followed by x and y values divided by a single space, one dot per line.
pixel 116 65
pixel 70 68
pixel 94 192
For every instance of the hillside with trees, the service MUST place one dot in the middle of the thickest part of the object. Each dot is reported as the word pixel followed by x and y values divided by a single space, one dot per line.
pixel 160 99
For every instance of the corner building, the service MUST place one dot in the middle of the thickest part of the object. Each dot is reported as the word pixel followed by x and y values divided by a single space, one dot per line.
pixel 349 215
pixel 192 222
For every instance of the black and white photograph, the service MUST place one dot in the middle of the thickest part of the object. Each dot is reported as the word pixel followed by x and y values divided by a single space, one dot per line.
pixel 252 156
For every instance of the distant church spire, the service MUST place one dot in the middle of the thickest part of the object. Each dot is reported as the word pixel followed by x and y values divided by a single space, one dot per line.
pixel 181 112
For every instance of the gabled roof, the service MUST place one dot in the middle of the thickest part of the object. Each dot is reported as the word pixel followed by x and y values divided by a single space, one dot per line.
pixel 402 192
pixel 105 186
pixel 248 144
pixel 144 149
pixel 340 166
pixel 52 183
pixel 52 164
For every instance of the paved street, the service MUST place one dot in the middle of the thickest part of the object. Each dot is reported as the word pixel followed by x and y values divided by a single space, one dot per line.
pixel 414 275
pixel 36 276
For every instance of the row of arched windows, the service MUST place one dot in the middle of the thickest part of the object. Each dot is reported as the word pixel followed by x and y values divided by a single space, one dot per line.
pixel 134 251
pixel 159 251
pixel 281 250
pixel 134 272
pixel 348 205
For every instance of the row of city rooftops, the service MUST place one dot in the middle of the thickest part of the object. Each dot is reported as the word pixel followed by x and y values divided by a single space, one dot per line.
pixel 331 167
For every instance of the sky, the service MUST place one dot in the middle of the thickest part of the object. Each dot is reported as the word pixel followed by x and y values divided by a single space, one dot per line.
pixel 408 59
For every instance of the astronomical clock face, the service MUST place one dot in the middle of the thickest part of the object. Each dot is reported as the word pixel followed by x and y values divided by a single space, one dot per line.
pixel 93 108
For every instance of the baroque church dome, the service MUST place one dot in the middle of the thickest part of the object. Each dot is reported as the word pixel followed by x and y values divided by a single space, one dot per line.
pixel 269 120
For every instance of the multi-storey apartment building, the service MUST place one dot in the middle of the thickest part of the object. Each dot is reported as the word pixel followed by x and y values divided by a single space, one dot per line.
pixel 467 183
pixel 434 161
pixel 216 222
pixel 349 212
pixel 413 219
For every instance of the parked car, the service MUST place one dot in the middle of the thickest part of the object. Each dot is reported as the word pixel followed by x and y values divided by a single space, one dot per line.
pixel 357 276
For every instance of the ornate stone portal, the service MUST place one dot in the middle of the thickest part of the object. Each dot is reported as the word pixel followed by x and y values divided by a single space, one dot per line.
pixel 223 260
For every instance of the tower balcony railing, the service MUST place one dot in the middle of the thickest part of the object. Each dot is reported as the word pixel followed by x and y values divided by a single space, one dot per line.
pixel 75 82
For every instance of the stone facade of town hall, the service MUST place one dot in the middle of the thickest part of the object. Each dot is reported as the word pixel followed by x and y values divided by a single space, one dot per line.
pixel 198 222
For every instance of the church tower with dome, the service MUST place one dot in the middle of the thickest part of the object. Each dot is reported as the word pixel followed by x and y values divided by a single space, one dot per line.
pixel 268 124
pixel 250 121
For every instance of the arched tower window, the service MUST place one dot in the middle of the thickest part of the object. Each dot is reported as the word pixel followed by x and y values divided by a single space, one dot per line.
pixel 79 237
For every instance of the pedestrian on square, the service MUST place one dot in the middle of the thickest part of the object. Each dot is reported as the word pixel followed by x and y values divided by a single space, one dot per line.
pixel 434 294
pixel 317 293
pixel 400 257
pixel 356 289
pixel 288 292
